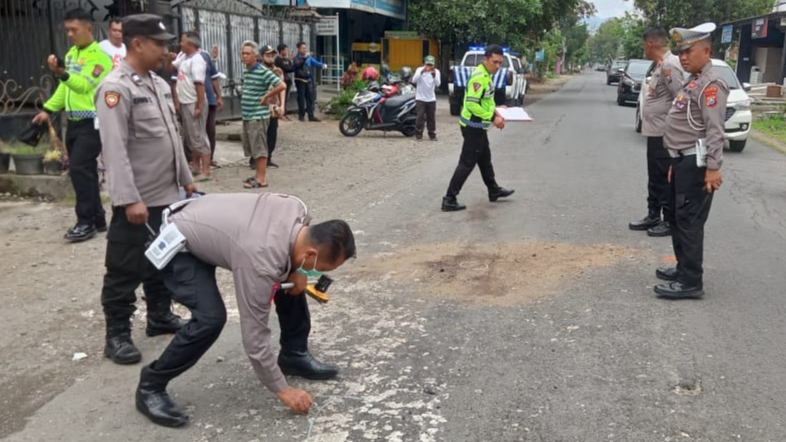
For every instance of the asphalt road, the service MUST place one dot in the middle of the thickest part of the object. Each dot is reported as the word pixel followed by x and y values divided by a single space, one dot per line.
pixel 528 320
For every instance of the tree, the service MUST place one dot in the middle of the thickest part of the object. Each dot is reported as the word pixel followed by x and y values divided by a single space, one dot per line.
pixel 680 13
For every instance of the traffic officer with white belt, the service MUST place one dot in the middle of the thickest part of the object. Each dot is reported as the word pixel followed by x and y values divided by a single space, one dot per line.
pixel 664 86
pixel 694 139
pixel 146 167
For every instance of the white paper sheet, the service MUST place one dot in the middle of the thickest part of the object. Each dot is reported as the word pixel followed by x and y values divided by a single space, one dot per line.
pixel 514 114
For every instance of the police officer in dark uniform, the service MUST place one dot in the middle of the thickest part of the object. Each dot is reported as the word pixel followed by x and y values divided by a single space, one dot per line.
pixel 146 167
pixel 694 140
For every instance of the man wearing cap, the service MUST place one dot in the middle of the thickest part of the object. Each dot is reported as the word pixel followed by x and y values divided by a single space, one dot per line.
pixel 694 140
pixel 664 86
pixel 146 168
pixel 84 67
pixel 426 79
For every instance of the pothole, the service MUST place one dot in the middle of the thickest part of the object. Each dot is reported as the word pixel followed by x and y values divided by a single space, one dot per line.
pixel 506 273
pixel 688 388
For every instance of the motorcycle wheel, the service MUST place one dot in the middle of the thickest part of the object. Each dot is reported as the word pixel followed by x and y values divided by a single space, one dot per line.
pixel 351 124
pixel 408 128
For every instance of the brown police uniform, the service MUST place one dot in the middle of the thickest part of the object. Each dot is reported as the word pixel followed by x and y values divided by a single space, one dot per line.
pixel 697 112
pixel 145 163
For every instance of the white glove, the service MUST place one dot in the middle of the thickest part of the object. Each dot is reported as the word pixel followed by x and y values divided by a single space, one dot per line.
pixel 324 66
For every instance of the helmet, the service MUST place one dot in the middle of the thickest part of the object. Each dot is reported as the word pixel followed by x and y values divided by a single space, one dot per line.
pixel 406 73
pixel 370 74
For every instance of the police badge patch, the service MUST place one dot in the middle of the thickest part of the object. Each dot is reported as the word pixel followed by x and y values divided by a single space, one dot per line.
pixel 711 96
pixel 111 99
pixel 476 86
pixel 97 70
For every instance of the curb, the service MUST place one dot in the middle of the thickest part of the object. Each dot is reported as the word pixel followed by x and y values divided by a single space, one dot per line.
pixel 769 141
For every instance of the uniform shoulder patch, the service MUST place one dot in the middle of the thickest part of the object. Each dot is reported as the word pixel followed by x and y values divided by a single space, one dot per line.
pixel 97 70
pixel 711 96
pixel 111 99
pixel 476 86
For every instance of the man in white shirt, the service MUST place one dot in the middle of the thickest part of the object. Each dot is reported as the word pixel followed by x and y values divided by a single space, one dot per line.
pixel 113 46
pixel 191 102
pixel 427 79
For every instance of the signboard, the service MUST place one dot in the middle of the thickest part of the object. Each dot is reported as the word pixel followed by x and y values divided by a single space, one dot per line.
pixel 759 28
pixel 405 35
pixel 540 55
pixel 363 5
pixel 396 8
pixel 327 26
pixel 727 33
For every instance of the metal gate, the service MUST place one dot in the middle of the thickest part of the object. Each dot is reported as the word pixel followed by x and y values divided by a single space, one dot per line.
pixel 226 24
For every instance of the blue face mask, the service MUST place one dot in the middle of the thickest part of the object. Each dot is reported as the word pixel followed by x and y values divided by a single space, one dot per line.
pixel 310 274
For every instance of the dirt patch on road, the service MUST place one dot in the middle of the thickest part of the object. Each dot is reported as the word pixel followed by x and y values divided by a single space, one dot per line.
pixel 500 274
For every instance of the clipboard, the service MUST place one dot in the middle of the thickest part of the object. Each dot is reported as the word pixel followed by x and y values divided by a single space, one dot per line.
pixel 514 114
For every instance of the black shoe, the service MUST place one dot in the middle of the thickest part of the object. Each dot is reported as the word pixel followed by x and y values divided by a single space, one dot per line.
pixel 314 119
pixel 272 165
pixel 666 273
pixel 450 204
pixel 418 138
pixel 662 229
pixel 121 349
pixel 433 139
pixel 676 290
pixel 303 364
pixel 155 403
pixel 645 223
pixel 163 323
pixel 82 232
pixel 301 118
pixel 101 225
pixel 498 193
pixel 252 164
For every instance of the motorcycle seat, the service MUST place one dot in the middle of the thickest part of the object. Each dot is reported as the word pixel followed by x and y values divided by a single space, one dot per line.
pixel 399 100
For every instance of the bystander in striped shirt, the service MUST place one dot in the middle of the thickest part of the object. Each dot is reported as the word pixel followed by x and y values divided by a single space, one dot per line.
pixel 257 81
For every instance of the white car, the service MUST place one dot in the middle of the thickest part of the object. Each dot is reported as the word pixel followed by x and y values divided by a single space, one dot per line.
pixel 738 107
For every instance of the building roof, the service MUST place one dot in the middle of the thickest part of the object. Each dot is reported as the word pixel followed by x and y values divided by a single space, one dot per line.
pixel 771 15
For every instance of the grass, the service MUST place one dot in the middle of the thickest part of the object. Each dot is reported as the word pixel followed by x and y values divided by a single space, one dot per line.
pixel 772 126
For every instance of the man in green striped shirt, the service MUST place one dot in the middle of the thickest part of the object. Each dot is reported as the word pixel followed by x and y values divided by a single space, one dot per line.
pixel 259 86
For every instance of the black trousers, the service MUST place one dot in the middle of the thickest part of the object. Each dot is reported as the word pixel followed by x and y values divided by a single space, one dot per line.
pixel 211 128
pixel 83 144
pixel 193 284
pixel 475 151
pixel 305 98
pixel 658 161
pixel 691 209
pixel 127 267
pixel 272 137
pixel 427 113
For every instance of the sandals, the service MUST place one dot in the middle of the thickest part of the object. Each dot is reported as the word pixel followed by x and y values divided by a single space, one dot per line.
pixel 252 183
pixel 202 179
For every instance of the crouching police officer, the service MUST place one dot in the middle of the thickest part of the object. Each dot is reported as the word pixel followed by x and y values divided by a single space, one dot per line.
pixel 146 167
pixel 695 121
pixel 264 239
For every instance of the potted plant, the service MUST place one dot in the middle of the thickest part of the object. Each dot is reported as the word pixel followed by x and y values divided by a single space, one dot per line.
pixel 5 157
pixel 53 162
pixel 28 160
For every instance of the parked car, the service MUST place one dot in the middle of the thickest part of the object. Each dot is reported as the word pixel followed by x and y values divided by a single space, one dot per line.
pixel 630 82
pixel 738 107
pixel 614 71
pixel 510 82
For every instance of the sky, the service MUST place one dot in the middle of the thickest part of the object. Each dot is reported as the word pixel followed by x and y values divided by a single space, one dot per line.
pixel 612 8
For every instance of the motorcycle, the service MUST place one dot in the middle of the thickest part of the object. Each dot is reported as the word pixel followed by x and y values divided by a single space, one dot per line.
pixel 376 108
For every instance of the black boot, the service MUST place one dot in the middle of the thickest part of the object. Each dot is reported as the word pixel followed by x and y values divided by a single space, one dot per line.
pixel 303 364
pixel 153 401
pixel 498 193
pixel 667 273
pixel 651 220
pixel 662 229
pixel 161 320
pixel 119 346
pixel 676 290
pixel 450 204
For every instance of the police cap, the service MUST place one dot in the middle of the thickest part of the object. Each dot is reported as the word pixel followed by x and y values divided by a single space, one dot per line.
pixel 684 39
pixel 146 25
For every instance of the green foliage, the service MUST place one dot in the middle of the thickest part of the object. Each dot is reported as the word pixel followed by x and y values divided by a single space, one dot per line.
pixel 670 13
pixel 774 126
pixel 618 37
pixel 17 148
pixel 339 104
